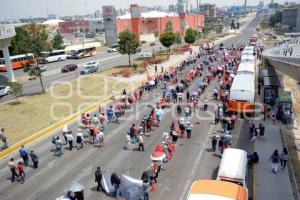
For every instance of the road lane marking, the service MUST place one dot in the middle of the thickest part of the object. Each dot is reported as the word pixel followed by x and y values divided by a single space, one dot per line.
pixel 196 165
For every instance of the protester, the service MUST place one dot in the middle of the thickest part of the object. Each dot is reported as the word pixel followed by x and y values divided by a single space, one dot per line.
pixel 98 179
pixel 34 159
pixel 274 159
pixel 141 142
pixel 70 140
pixel 12 167
pixel 283 158
pixel 21 170
pixel 24 154
pixel 261 131
pixel 214 140
pixel 115 181
pixel 79 139
pixel 3 138
pixel 58 147
pixel 188 129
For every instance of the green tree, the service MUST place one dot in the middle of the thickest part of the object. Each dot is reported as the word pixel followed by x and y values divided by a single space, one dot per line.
pixel 169 27
pixel 275 19
pixel 34 71
pixel 167 39
pixel 20 44
pixel 178 39
pixel 16 89
pixel 190 36
pixel 39 42
pixel 128 44
pixel 57 41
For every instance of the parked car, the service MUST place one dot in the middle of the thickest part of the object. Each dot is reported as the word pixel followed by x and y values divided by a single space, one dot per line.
pixel 89 68
pixel 69 68
pixel 4 90
pixel 152 44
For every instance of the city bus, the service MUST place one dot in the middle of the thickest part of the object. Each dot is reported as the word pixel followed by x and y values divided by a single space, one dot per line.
pixel 17 61
pixel 216 190
pixel 53 56
pixel 82 52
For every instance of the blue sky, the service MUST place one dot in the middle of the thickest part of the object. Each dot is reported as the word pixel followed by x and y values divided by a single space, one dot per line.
pixel 34 8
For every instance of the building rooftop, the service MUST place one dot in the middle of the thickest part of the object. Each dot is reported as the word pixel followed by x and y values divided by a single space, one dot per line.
pixel 52 22
pixel 151 14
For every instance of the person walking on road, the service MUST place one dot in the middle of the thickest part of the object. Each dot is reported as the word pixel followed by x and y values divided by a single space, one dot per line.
pixel 98 179
pixel 274 159
pixel 188 129
pixel 65 131
pixel 70 140
pixel 214 140
pixel 21 171
pixel 261 131
pixel 283 158
pixel 34 159
pixel 3 138
pixel 79 139
pixel 146 190
pixel 24 154
pixel 115 181
pixel 12 167
pixel 205 104
pixel 58 147
pixel 179 110
pixel 141 142
pixel 187 96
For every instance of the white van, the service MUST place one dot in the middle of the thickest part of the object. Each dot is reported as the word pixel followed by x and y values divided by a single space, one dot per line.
pixel 233 167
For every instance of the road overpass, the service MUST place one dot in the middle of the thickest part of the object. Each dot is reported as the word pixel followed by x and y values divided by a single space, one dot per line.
pixel 285 58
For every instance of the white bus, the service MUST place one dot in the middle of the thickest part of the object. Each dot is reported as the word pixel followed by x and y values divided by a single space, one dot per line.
pixel 233 167
pixel 53 56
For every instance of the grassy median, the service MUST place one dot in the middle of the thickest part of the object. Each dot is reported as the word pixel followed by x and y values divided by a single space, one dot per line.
pixel 41 110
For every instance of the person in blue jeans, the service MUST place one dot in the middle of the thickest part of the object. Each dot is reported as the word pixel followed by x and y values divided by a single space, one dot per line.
pixel 24 155
pixel 115 181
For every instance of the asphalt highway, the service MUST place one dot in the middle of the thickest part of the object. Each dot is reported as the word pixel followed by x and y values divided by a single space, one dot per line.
pixel 192 160
pixel 53 73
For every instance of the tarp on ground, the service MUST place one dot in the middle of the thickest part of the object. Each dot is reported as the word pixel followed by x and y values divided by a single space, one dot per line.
pixel 130 188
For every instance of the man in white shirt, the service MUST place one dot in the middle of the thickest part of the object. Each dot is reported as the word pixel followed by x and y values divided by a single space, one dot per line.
pixel 70 138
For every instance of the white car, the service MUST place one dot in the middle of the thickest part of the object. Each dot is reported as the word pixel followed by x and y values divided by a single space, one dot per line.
pixel 4 90
pixel 90 67
pixel 43 68
pixel 112 50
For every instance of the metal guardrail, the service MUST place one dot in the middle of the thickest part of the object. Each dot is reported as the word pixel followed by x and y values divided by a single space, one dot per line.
pixel 7 31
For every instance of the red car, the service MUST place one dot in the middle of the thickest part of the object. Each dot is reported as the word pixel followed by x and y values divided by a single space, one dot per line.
pixel 69 68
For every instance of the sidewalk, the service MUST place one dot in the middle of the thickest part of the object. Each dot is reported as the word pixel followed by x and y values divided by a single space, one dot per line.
pixel 270 186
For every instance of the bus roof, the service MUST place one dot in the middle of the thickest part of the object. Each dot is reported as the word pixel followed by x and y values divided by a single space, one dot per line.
pixel 246 67
pixel 233 165
pixel 20 56
pixel 216 190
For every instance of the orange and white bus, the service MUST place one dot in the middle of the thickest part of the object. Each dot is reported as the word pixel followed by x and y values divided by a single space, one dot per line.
pixel 17 61
pixel 217 190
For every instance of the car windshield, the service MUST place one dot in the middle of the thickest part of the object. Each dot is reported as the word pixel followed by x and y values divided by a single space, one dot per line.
pixel 88 67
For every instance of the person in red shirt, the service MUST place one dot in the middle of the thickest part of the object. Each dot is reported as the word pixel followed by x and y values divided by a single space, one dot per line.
pixel 20 168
